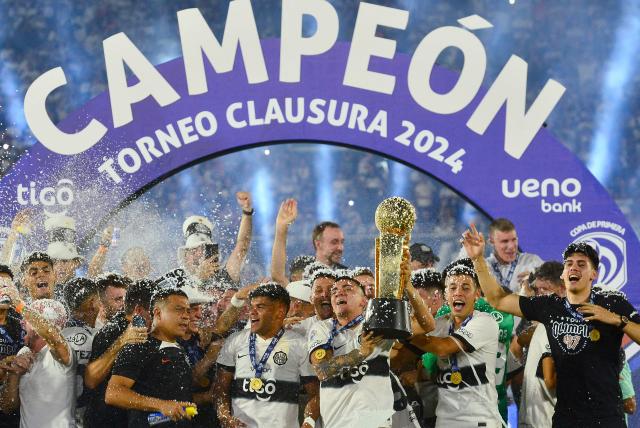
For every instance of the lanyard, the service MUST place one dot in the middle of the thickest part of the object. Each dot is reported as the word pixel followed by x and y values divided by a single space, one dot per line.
pixel 575 313
pixel 334 330
pixel 259 367
pixel 512 268
pixel 453 359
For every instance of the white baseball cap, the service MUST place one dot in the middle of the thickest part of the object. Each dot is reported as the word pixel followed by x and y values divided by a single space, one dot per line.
pixel 300 290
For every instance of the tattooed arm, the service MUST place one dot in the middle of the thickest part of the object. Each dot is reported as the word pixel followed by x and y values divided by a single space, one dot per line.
pixel 330 366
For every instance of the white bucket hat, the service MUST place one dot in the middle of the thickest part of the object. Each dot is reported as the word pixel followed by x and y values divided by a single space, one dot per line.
pixel 197 231
pixel 61 234
pixel 178 278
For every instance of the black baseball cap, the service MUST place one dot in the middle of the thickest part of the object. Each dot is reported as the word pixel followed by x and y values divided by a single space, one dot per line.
pixel 422 253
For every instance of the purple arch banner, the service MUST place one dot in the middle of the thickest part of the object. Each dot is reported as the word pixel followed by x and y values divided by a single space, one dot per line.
pixel 480 141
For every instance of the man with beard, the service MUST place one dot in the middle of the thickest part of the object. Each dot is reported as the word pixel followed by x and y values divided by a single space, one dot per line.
pixel 38 276
pixel 112 289
pixel 353 367
pixel 328 241
pixel 107 343
pixel 260 370
pixel 81 297
pixel 155 376
pixel 585 332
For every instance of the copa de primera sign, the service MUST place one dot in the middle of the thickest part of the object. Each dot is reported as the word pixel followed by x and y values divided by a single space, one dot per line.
pixel 239 91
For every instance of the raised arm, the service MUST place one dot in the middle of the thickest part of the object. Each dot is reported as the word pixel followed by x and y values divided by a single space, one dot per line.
pixel 239 253
pixel 96 265
pixel 474 244
pixel 287 214
pixel 19 224
pixel 47 331
pixel 440 346
pixel 231 315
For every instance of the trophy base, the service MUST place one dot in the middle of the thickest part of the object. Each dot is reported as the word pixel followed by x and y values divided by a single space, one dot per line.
pixel 388 318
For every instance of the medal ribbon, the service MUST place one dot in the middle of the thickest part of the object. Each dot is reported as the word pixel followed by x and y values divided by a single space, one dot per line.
pixel 334 330
pixel 259 366
pixel 512 268
pixel 453 359
pixel 577 314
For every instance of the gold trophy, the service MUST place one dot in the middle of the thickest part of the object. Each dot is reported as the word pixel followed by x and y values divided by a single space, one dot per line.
pixel 387 314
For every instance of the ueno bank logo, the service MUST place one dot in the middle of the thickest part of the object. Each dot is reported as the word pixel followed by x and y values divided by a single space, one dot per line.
pixel 547 188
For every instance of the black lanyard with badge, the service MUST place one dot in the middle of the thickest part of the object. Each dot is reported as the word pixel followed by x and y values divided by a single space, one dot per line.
pixel 256 382
pixel 594 333
pixel 456 376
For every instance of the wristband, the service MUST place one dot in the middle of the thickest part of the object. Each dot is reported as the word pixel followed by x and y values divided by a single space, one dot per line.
pixel 249 213
pixel 237 303
pixel 105 243
pixel 309 420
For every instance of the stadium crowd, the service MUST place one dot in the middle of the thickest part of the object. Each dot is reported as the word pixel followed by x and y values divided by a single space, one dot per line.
pixel 199 347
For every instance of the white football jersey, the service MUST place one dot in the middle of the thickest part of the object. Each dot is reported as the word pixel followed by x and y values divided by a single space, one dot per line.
pixel 275 404
pixel 473 401
pixel 360 396
pixel 537 403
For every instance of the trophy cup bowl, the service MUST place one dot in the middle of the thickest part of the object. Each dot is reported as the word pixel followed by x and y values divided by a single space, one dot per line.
pixel 387 314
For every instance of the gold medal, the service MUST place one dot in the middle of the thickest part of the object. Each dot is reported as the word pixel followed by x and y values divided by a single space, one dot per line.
pixel 456 378
pixel 255 384
pixel 594 335
pixel 320 354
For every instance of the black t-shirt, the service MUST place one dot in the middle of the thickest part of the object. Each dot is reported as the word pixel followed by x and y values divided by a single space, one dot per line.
pixel 11 334
pixel 99 414
pixel 587 370
pixel 159 369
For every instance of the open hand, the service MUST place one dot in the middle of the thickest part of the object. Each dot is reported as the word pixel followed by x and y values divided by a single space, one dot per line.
pixel 287 213
pixel 598 313
pixel 473 242
pixel 368 343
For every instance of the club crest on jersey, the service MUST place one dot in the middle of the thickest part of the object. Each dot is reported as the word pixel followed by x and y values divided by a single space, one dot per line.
pixel 280 358
pixel 264 393
pixel 355 373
